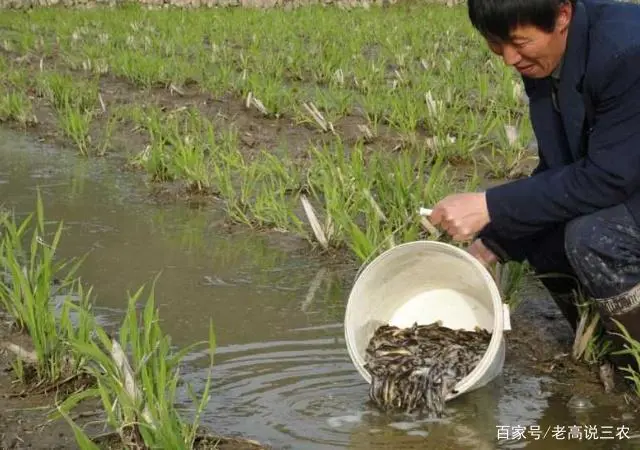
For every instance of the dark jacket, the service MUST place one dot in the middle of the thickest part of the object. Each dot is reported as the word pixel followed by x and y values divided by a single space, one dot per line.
pixel 589 153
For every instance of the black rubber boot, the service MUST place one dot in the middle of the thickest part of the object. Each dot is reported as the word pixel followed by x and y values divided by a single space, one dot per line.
pixel 566 302
pixel 564 292
pixel 625 309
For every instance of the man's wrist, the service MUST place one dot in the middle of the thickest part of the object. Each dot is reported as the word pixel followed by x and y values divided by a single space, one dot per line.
pixel 493 246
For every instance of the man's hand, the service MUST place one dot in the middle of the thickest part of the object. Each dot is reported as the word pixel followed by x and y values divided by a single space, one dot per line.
pixel 461 215
pixel 482 253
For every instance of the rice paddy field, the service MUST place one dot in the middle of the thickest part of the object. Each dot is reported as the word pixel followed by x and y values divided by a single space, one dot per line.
pixel 368 113
pixel 320 129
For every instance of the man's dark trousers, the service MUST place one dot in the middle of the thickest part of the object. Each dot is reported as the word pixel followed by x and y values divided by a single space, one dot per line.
pixel 598 255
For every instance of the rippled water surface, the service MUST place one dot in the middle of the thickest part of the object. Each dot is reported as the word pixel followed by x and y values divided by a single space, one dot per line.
pixel 282 375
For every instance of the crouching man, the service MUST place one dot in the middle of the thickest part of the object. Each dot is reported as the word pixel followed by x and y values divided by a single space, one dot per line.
pixel 578 214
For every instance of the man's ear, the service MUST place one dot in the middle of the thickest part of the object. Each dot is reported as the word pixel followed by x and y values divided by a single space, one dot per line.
pixel 564 16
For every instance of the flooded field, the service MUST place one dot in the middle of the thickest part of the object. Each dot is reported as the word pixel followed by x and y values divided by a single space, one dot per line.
pixel 282 373
pixel 181 144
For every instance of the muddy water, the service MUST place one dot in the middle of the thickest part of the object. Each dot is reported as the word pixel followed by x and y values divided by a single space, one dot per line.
pixel 283 375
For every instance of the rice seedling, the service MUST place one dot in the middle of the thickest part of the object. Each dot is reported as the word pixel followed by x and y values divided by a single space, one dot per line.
pixel 106 144
pixel 632 349
pixel 405 112
pixel 137 376
pixel 187 158
pixel 333 181
pixel 372 206
pixel 590 343
pixel 75 124
pixel 17 107
pixel 140 68
pixel 276 211
pixel 272 204
pixel 186 146
pixel 153 158
pixel 63 91
pixel 269 97
pixel 510 148
pixel 510 278
pixel 74 103
pixel 36 290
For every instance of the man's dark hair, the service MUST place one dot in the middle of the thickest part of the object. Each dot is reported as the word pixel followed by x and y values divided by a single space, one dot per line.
pixel 495 19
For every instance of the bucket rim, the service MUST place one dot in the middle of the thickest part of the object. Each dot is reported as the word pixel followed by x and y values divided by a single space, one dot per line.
pixel 497 336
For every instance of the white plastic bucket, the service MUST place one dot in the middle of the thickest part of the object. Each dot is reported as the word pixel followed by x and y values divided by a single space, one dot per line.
pixel 426 281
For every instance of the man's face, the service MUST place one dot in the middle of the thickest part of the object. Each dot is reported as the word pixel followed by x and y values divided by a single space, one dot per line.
pixel 533 52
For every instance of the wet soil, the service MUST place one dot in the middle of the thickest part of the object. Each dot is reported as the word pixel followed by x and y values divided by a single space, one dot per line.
pixel 24 408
